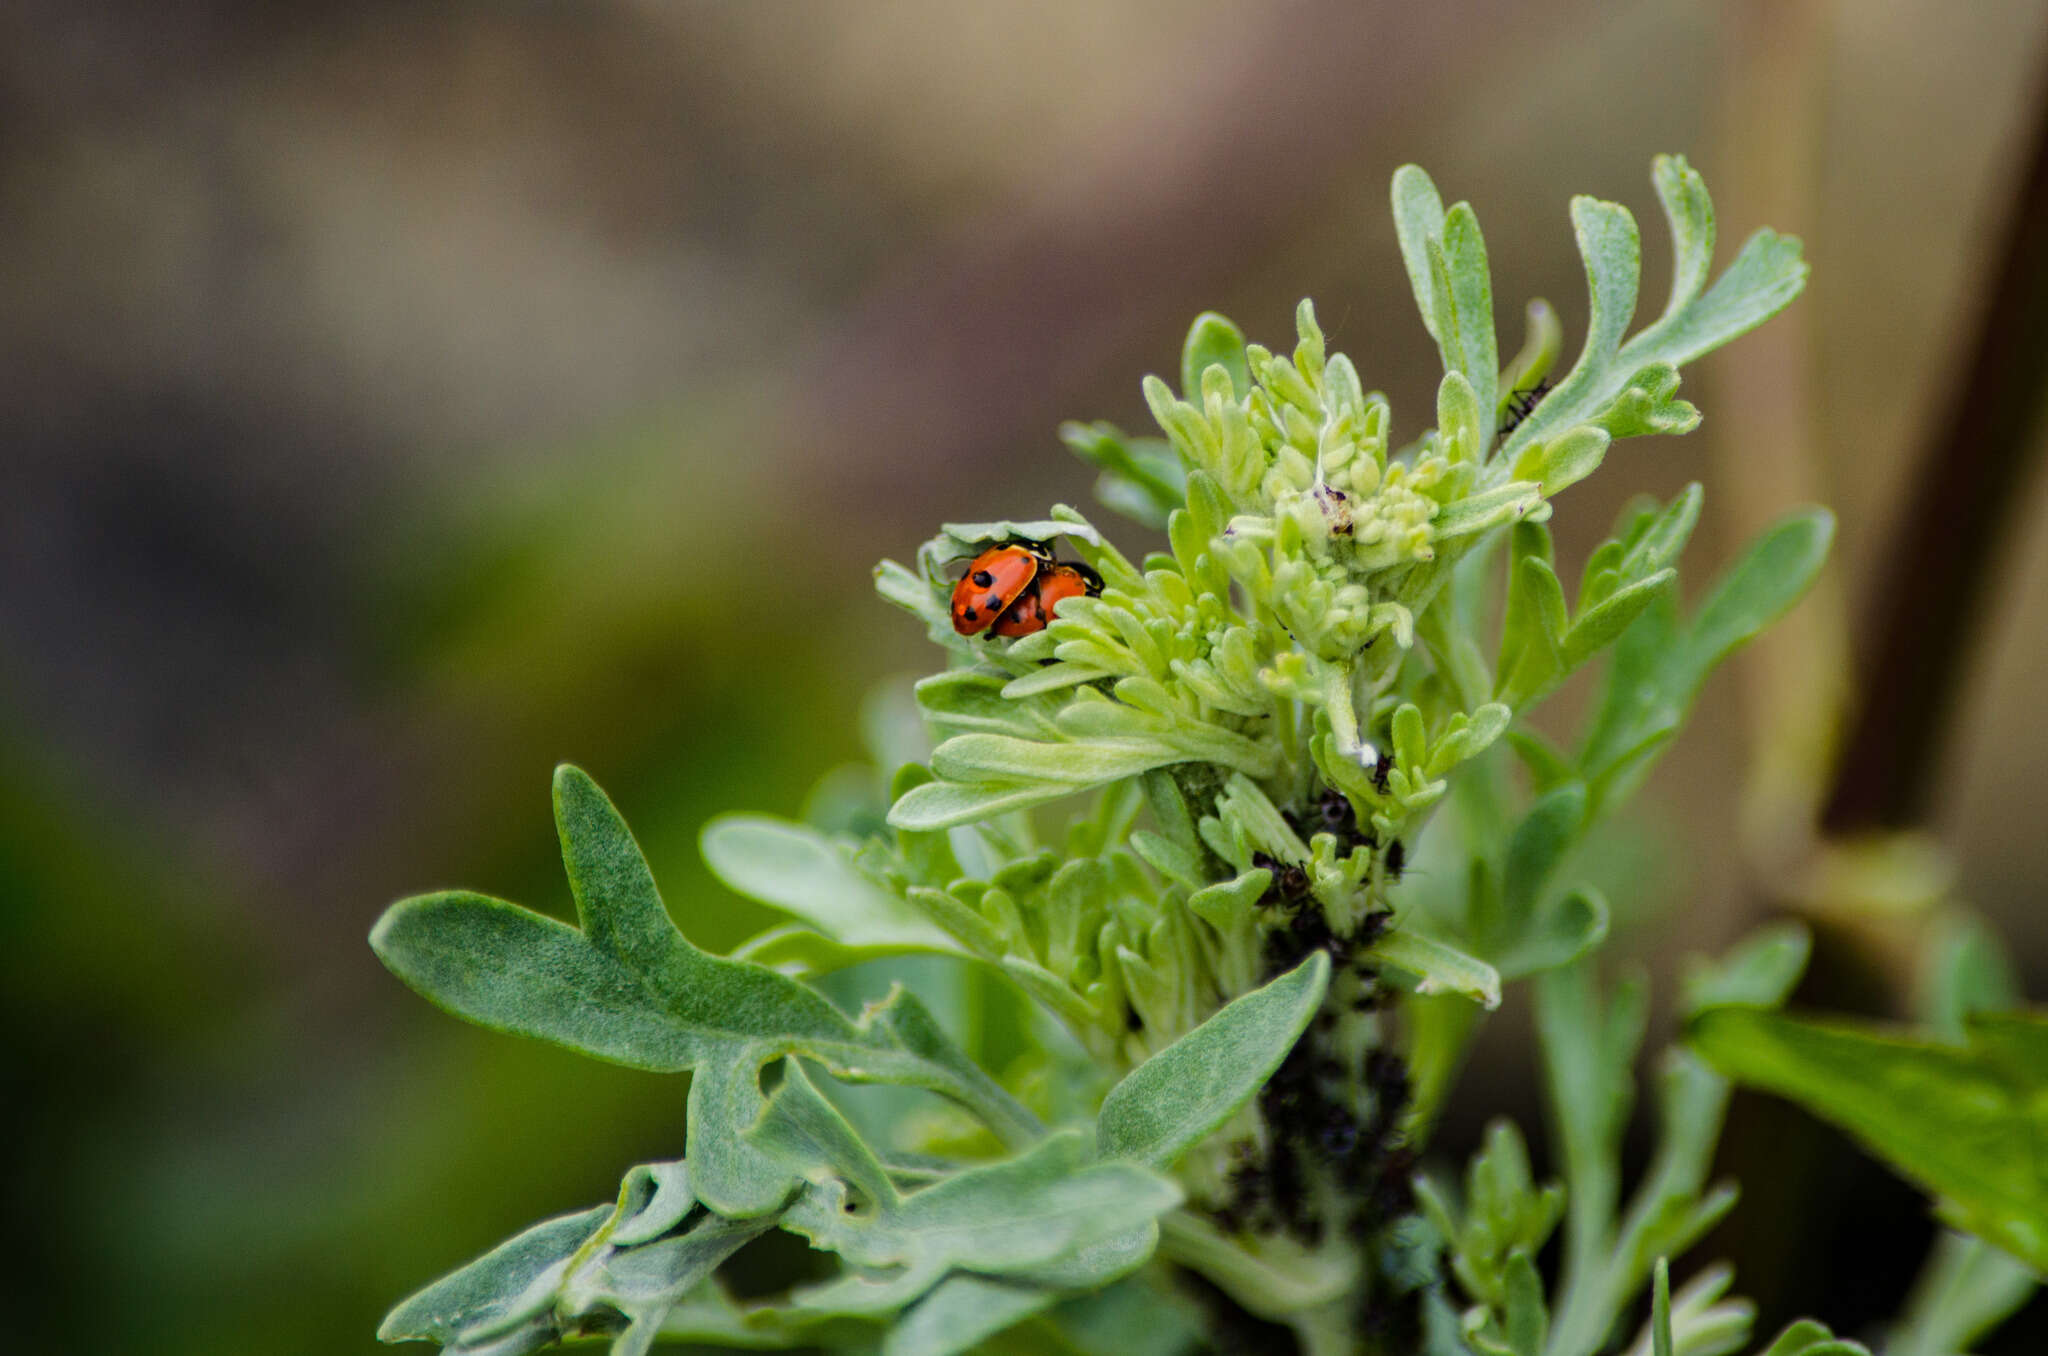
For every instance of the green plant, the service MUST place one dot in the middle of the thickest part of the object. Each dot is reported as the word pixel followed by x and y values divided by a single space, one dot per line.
pixel 1193 1015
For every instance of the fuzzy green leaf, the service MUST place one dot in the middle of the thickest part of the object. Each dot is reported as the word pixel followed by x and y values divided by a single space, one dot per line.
pixel 1213 341
pixel 629 988
pixel 945 805
pixel 913 1029
pixel 1543 338
pixel 1660 1310
pixel 1540 842
pixel 506 1286
pixel 794 950
pixel 1523 928
pixel 1628 388
pixel 977 700
pixel 1771 575
pixel 1599 627
pixel 1569 459
pixel 961 1312
pixel 1049 1205
pixel 1967 1125
pixel 1474 349
pixel 646 1281
pixel 1439 966
pixel 1142 478
pixel 1766 275
pixel 566 1277
pixel 1534 625
pixel 1487 509
pixel 1588 1052
pixel 1418 221
pixel 1073 764
pixel 1527 1319
pixel 802 872
pixel 1172 1101
pixel 1761 971
pixel 1661 663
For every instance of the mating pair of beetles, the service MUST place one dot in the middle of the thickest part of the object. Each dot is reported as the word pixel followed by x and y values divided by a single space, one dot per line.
pixel 1013 589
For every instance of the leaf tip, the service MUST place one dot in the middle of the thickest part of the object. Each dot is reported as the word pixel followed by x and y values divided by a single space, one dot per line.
pixel 571 780
pixel 384 938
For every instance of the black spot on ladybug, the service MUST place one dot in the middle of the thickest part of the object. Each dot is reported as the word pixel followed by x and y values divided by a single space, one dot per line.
pixel 969 613
pixel 983 579
pixel 992 602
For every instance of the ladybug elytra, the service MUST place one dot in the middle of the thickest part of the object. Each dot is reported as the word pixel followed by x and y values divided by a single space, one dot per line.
pixel 998 577
pixel 1014 589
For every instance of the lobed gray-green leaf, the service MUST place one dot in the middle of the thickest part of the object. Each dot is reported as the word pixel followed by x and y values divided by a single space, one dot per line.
pixel 1172 1101
pixel 507 1285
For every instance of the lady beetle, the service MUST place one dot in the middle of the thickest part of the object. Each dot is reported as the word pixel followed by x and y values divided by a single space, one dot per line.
pixel 998 577
pixel 1035 607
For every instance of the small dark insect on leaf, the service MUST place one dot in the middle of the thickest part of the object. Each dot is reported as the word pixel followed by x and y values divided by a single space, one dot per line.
pixel 1396 859
pixel 1521 405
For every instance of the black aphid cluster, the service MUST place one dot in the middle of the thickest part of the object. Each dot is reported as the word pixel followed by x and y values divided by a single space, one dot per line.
pixel 1326 1120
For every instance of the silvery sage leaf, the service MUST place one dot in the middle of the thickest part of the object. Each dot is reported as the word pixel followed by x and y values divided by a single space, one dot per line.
pixel 1446 261
pixel 505 1287
pixel 802 872
pixel 984 774
pixel 1213 341
pixel 628 987
pixel 1438 966
pixel 958 541
pixel 1518 924
pixel 1050 1204
pixel 1660 661
pixel 1172 1101
pixel 1628 388
pixel 643 1283
pixel 580 1273
pixel 1142 478
pixel 961 1312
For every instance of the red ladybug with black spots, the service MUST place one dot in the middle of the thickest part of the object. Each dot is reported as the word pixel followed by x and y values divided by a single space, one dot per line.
pixel 1055 584
pixel 1013 589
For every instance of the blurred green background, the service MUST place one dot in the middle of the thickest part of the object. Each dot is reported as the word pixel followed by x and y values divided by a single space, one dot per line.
pixel 398 400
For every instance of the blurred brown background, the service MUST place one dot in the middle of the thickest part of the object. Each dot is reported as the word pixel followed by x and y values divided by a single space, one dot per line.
pixel 395 401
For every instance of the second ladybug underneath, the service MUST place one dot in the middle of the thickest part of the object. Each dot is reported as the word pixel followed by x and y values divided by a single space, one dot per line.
pixel 1014 589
